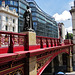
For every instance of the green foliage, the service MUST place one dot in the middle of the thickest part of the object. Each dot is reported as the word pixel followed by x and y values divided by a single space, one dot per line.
pixel 70 36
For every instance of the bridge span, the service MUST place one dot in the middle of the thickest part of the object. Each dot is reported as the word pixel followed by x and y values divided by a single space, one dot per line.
pixel 28 54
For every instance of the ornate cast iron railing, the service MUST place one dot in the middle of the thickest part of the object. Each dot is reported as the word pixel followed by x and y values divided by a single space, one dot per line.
pixel 47 41
pixel 10 40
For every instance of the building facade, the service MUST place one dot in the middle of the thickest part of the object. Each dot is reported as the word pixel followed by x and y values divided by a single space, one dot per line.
pixel 20 7
pixel 8 19
pixel 43 24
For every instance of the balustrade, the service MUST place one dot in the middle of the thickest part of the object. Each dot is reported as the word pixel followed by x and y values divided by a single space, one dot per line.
pixel 44 42
pixel 13 42
pixel 8 40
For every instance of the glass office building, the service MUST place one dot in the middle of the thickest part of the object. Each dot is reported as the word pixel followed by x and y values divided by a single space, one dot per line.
pixel 43 24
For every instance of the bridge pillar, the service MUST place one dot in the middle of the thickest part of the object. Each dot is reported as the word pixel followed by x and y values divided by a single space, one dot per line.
pixel 52 66
pixel 72 11
pixel 30 62
pixel 60 59
pixel 69 62
pixel 31 66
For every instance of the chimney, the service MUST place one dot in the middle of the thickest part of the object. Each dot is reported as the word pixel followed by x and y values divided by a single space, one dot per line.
pixel 3 3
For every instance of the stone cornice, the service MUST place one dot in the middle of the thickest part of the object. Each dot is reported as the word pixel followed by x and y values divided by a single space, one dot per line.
pixel 6 10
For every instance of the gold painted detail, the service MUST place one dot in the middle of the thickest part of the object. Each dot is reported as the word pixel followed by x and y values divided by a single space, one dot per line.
pixel 19 71
pixel 42 62
pixel 15 71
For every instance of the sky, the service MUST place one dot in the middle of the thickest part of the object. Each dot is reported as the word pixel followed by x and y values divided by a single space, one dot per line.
pixel 59 9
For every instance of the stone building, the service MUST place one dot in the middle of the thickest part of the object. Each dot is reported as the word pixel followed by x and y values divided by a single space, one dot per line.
pixel 8 19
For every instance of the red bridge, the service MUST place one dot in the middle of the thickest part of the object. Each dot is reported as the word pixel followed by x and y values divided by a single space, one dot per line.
pixel 28 54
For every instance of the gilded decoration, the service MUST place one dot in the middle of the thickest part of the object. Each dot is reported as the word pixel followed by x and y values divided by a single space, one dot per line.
pixel 42 62
pixel 18 71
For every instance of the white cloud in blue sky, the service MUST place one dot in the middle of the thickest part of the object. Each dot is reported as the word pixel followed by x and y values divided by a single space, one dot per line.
pixel 63 16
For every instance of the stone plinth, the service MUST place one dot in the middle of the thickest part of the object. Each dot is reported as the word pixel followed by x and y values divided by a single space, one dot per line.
pixel 31 37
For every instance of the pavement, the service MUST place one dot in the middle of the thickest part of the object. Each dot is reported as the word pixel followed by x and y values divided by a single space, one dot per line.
pixel 70 73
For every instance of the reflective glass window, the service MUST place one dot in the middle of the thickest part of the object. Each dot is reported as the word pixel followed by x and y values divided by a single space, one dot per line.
pixel 0 17
pixel 0 2
pixel 33 14
pixel 11 3
pixel 15 3
pixel 34 23
pixel 31 4
pixel 22 5
pixel 41 21
pixel 8 2
pixel 20 15
pixel 0 26
pixel 33 18
pixel 22 11
pixel 11 8
pixel 33 9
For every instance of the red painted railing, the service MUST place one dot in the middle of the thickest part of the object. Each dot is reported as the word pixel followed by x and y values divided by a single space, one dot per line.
pixel 12 42
pixel 9 42
pixel 68 41
pixel 44 42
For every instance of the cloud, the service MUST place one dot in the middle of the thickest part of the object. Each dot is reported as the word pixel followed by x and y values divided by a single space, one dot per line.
pixel 62 17
pixel 71 3
pixel 69 29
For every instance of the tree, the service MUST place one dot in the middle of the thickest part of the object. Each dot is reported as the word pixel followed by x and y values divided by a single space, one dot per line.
pixel 69 36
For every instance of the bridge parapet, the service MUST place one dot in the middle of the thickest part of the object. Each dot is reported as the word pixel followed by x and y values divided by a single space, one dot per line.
pixel 9 41
pixel 44 42
pixel 68 41
pixel 13 42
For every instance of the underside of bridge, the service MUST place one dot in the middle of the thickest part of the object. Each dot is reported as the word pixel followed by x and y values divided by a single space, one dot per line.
pixel 59 63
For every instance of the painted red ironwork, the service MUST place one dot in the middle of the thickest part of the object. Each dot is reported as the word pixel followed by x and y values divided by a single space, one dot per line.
pixel 9 41
pixel 15 49
pixel 44 42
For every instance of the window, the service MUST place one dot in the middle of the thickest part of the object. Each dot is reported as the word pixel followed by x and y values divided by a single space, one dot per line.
pixel 6 19
pixel 33 18
pixel 13 20
pixel 0 27
pixel 11 2
pixel 22 11
pixel 0 17
pixel 6 28
pixel 15 3
pixel 13 29
pixel 22 5
pixel 0 3
pixel 34 23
